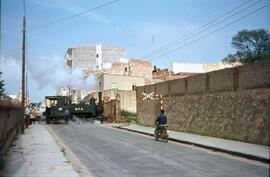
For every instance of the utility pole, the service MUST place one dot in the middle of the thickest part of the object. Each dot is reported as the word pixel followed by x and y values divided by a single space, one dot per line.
pixel 23 74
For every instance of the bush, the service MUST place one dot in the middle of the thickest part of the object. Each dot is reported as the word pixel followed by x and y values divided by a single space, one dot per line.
pixel 129 116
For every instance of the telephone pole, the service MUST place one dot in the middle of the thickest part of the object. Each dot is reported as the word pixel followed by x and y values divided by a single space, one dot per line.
pixel 23 73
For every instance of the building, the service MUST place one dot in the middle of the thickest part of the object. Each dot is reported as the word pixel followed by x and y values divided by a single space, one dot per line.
pixel 75 95
pixel 93 57
pixel 180 70
pixel 187 67
pixel 125 75
pixel 220 65
pixel 121 82
pixel 177 67
pixel 133 67
pixel 127 98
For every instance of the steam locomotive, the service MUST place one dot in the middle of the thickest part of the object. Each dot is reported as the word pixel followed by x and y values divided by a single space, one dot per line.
pixel 56 106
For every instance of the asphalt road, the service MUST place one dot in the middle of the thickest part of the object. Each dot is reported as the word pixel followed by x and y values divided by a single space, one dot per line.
pixel 117 153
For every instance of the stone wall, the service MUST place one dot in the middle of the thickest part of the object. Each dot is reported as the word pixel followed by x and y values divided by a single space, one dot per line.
pixel 112 112
pixel 232 103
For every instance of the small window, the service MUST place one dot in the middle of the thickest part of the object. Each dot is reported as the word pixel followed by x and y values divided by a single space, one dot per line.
pixel 125 69
pixel 114 85
pixel 133 87
pixel 97 55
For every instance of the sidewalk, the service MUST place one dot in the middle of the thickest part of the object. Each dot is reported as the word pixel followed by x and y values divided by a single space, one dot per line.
pixel 35 153
pixel 251 151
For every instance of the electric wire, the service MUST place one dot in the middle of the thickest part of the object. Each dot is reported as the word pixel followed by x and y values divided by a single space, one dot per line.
pixel 164 36
pixel 207 26
pixel 72 16
pixel 201 13
pixel 212 32
pixel 179 20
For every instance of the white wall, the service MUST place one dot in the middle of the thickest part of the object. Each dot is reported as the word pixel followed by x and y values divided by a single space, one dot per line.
pixel 187 67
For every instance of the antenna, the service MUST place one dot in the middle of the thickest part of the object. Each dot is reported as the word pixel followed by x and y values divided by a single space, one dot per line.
pixel 153 41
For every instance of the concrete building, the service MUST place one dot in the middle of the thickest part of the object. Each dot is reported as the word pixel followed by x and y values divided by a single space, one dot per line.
pixel 181 70
pixel 75 95
pixel 93 57
pixel 121 82
pixel 127 98
pixel 134 67
pixel 177 67
pixel 187 67
pixel 220 65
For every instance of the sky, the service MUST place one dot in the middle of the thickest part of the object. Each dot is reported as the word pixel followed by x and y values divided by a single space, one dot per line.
pixel 161 31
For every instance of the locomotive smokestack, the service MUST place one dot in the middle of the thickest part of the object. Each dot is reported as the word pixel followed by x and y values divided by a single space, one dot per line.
pixel 99 97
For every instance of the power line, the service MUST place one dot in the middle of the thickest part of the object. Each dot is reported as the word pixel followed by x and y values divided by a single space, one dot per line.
pixel 194 18
pixel 198 31
pixel 72 16
pixel 202 11
pixel 203 29
pixel 208 34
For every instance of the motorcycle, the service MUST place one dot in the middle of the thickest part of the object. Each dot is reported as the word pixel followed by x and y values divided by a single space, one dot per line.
pixel 162 134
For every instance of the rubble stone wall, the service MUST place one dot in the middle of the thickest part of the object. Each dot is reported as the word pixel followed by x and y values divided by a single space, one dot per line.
pixel 232 103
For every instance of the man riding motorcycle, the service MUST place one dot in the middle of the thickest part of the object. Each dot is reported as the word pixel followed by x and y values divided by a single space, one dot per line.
pixel 160 121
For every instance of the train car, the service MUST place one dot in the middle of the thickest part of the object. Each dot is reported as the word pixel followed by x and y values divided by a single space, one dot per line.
pixel 83 110
pixel 55 107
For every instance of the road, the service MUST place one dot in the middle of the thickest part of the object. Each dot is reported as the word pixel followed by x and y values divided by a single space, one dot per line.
pixel 111 152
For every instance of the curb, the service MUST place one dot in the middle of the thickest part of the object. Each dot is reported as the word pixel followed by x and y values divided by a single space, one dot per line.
pixel 239 154
pixel 76 164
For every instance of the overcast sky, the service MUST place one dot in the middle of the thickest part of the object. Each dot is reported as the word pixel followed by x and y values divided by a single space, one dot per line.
pixel 147 29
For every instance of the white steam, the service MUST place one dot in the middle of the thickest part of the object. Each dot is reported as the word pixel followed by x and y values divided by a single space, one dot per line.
pixel 46 75
pixel 52 71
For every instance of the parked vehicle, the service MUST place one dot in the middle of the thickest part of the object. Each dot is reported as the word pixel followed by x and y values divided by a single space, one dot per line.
pixel 162 134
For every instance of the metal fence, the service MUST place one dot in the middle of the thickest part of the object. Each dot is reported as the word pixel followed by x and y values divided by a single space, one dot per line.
pixel 11 118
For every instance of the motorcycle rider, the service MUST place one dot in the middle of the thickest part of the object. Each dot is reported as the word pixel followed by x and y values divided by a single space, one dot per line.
pixel 160 121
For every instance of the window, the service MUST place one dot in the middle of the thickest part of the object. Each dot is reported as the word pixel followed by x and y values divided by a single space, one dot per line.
pixel 133 86
pixel 114 85
pixel 97 55
pixel 125 69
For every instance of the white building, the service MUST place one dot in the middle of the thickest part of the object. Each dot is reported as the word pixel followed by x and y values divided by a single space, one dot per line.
pixel 187 67
pixel 178 67
pixel 93 57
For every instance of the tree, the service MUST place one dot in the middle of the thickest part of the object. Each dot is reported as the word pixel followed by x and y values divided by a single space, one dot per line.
pixel 2 84
pixel 251 46
pixel 231 59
